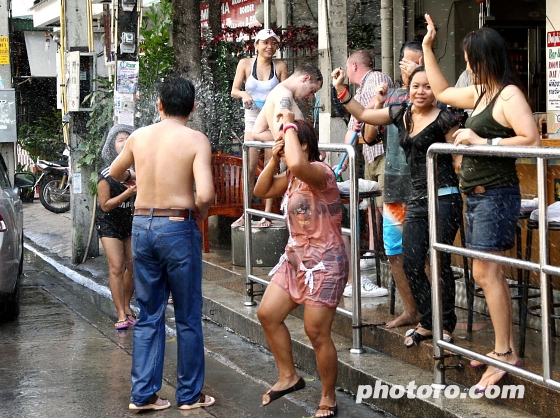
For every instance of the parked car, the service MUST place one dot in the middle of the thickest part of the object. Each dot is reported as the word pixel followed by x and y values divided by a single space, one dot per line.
pixel 11 245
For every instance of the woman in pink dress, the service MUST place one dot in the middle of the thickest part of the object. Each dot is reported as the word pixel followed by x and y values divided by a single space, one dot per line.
pixel 313 269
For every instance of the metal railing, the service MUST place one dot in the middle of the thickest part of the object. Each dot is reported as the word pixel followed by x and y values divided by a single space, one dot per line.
pixel 353 232
pixel 542 154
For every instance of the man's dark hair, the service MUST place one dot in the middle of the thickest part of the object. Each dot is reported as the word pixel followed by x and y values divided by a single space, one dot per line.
pixel 314 72
pixel 177 96
pixel 412 45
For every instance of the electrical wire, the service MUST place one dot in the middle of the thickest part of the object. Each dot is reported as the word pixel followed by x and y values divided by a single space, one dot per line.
pixel 447 31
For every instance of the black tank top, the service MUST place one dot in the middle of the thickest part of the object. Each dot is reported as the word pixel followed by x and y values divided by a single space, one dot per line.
pixel 490 172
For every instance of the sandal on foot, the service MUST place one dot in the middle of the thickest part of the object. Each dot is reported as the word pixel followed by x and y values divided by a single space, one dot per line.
pixel 239 222
pixel 121 324
pixel 416 337
pixel 277 394
pixel 131 318
pixel 332 409
pixel 203 401
pixel 152 406
pixel 264 223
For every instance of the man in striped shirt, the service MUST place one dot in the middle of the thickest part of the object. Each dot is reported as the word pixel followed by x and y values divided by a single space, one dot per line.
pixel 359 67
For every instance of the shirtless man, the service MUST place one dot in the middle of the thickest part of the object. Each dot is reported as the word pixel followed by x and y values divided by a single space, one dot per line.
pixel 169 159
pixel 302 84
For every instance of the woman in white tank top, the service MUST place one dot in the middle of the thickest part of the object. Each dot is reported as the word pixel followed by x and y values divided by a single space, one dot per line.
pixel 260 75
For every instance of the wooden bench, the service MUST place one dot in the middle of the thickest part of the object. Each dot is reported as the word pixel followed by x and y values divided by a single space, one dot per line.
pixel 227 171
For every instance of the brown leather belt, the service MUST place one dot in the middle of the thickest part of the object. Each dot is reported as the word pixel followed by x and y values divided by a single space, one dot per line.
pixel 479 189
pixel 179 213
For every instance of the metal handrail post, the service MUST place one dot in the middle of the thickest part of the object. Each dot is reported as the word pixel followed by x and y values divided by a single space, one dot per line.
pixel 542 154
pixel 249 296
pixel 437 317
pixel 357 347
pixel 543 261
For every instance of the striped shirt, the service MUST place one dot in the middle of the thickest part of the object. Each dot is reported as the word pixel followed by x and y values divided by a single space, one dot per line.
pixel 363 95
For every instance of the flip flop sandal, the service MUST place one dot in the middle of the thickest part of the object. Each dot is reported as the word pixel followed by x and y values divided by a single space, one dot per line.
pixel 277 394
pixel 333 409
pixel 131 318
pixel 417 338
pixel 201 402
pixel 122 324
pixel 239 222
pixel 152 406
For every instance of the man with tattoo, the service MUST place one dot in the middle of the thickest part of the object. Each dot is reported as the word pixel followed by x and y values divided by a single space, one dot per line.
pixel 302 85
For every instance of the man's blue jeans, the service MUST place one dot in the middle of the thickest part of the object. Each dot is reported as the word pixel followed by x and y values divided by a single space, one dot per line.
pixel 167 257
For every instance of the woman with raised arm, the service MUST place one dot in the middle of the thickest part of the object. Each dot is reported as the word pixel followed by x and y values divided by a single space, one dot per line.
pixel 259 75
pixel 501 116
pixel 420 123
pixel 313 269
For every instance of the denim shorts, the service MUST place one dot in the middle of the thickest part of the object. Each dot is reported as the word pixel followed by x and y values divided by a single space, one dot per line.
pixel 491 219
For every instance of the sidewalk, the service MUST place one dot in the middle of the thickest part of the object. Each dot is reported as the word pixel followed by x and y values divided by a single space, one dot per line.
pixel 391 364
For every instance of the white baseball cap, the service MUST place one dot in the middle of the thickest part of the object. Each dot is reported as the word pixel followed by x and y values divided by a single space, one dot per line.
pixel 265 34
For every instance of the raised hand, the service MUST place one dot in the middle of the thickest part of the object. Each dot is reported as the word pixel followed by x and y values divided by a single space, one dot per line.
pixel 430 36
pixel 338 76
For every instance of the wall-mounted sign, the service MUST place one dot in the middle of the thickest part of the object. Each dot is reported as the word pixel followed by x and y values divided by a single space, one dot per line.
pixel 4 50
pixel 553 70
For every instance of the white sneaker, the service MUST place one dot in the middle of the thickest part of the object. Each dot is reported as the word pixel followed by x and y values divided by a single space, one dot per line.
pixel 369 289
pixel 367 263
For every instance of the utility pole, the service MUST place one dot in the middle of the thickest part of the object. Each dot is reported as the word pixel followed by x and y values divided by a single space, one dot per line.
pixel 75 20
pixel 127 66
pixel 7 136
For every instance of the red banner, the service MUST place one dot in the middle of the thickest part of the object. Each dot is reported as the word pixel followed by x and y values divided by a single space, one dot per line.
pixel 235 13
pixel 553 39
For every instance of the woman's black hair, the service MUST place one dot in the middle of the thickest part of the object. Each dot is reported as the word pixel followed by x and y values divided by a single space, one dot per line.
pixel 408 113
pixel 490 61
pixel 306 135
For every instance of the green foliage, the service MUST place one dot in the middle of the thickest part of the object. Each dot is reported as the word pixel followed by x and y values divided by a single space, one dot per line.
pixel 100 121
pixel 361 36
pixel 223 114
pixel 42 138
pixel 156 60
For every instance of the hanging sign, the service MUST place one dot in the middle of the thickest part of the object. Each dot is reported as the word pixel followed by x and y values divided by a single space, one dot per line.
pixel 4 50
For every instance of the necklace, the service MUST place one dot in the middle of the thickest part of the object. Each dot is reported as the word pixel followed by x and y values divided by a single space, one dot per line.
pixel 176 120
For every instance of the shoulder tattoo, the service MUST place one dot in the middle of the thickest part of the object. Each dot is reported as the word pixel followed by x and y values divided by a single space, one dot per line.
pixel 285 103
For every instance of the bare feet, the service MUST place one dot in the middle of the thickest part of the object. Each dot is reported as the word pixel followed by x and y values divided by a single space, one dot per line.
pixel 239 222
pixel 493 375
pixel 264 223
pixel 403 319
pixel 327 407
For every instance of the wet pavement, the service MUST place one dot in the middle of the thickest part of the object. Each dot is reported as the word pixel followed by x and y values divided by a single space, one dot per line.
pixel 63 357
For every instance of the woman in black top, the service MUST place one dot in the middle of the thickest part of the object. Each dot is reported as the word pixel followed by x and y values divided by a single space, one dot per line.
pixel 421 123
pixel 114 226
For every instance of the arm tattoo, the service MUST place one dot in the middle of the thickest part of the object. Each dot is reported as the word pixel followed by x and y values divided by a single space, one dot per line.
pixel 285 103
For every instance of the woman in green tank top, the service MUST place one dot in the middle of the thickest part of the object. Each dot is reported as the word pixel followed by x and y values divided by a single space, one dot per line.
pixel 501 116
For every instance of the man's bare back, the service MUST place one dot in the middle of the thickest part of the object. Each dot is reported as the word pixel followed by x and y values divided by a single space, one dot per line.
pixel 169 158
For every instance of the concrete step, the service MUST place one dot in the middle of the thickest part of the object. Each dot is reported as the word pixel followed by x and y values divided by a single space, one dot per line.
pixel 226 307
pixel 386 359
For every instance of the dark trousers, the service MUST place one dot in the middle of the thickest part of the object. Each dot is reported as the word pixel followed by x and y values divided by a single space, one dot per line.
pixel 415 251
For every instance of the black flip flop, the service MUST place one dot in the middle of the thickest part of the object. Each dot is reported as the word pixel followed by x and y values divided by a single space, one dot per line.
pixel 333 409
pixel 277 394
pixel 417 338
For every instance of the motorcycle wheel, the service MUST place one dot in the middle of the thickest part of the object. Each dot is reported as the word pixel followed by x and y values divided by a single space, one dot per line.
pixel 54 198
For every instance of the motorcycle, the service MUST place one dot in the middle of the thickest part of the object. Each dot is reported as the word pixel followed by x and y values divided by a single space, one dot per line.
pixel 54 184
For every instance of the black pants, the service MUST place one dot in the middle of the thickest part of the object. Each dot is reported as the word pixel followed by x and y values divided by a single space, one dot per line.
pixel 415 251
